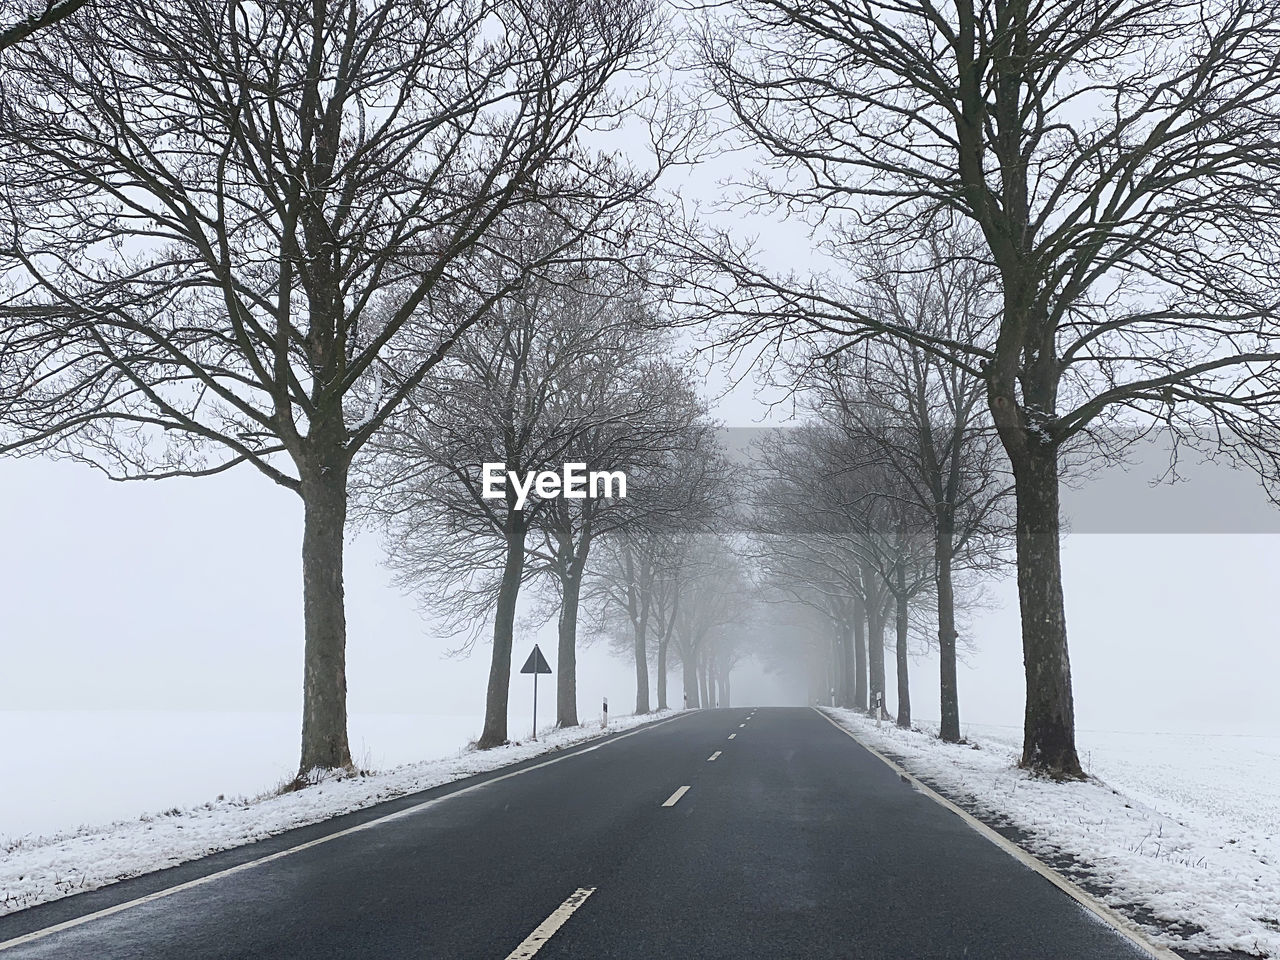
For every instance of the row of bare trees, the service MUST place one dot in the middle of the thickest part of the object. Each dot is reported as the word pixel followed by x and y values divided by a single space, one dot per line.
pixel 1116 166
pixel 571 368
pixel 364 247
pixel 891 486
pixel 681 594
pixel 252 233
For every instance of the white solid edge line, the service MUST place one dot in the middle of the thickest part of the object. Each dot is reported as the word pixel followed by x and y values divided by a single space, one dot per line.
pixel 208 878
pixel 547 928
pixel 1104 913
pixel 713 756
pixel 675 797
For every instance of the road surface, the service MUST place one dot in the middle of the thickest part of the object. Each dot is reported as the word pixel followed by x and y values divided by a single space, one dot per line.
pixel 793 842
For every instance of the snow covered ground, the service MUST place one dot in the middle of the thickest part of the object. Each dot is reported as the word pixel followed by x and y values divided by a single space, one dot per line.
pixel 35 868
pixel 1184 826
pixel 83 767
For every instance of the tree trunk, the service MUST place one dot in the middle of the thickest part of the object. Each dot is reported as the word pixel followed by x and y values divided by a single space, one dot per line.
pixel 859 654
pixel 724 689
pixel 567 664
pixel 642 663
pixel 690 666
pixel 837 670
pixel 638 612
pixel 662 671
pixel 904 685
pixel 875 650
pixel 944 547
pixel 324 685
pixel 504 619
pixel 1049 739
pixel 847 677
pixel 1024 426
pixel 705 687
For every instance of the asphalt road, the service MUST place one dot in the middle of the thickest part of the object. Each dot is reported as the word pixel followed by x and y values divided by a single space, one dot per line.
pixel 794 842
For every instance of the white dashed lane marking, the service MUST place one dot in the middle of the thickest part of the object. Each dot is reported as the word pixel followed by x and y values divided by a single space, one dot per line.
pixel 547 928
pixel 675 797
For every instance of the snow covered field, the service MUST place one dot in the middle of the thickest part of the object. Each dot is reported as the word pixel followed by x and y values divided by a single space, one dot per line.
pixel 85 767
pixel 36 868
pixel 1184 826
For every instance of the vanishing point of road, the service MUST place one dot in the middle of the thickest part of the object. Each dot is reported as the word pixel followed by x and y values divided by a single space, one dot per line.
pixel 731 834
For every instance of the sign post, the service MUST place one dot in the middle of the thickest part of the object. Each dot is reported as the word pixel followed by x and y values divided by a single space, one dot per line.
pixel 536 664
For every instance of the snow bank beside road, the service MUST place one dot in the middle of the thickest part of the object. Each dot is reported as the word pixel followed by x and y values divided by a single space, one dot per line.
pixel 37 869
pixel 1212 882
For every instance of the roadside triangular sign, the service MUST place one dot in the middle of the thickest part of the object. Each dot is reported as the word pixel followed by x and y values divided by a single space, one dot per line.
pixel 536 663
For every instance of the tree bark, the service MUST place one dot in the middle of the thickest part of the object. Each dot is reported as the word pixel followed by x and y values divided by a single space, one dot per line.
pixel 837 670
pixel 949 691
pixel 904 684
pixel 859 654
pixel 642 665
pixel 498 692
pixel 846 677
pixel 690 665
pixel 1049 740
pixel 638 612
pixel 324 686
pixel 567 664
pixel 875 651
pixel 662 671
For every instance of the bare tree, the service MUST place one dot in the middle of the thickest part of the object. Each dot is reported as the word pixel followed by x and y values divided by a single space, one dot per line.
pixel 927 421
pixel 504 395
pixel 255 210
pixel 630 578
pixel 910 577
pixel 648 425
pixel 822 522
pixel 620 589
pixel 637 570
pixel 687 492
pixel 1119 162
pixel 666 607
pixel 632 587
pixel 712 588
